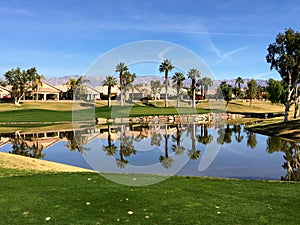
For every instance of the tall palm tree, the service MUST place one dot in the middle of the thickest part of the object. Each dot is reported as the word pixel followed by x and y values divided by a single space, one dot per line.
pixel 76 87
pixel 121 68
pixel 207 82
pixel 238 82
pixel 37 83
pixel 193 74
pixel 72 86
pixel 166 66
pixel 178 79
pixel 128 79
pixel 110 81
pixel 200 83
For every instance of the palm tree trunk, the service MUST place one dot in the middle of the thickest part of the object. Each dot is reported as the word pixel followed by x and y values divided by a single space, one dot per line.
pixel 109 104
pixel 166 86
pixel 178 96
pixel 194 98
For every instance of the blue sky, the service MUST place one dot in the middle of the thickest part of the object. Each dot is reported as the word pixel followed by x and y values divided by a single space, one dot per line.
pixel 64 37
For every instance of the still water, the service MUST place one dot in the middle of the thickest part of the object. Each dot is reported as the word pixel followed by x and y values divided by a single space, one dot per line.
pixel 183 149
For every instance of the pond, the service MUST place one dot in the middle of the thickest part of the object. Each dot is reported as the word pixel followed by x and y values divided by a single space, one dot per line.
pixel 218 150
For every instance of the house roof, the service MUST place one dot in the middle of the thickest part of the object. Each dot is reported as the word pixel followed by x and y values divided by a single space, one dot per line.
pixel 48 88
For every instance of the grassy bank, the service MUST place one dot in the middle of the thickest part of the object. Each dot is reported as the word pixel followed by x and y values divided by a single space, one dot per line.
pixel 276 127
pixel 88 198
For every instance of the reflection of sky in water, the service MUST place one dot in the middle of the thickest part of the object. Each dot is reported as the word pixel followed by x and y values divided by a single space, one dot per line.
pixel 235 160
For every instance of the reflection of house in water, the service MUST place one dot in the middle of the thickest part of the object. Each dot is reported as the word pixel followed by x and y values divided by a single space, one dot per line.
pixel 3 141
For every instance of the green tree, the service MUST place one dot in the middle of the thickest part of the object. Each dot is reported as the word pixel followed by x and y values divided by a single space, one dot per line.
pixel 283 55
pixel 21 81
pixel 252 90
pixel 225 90
pixel 178 79
pixel 3 83
pixel 110 81
pixel 155 87
pixel 193 74
pixel 165 67
pixel 277 91
pixel 121 68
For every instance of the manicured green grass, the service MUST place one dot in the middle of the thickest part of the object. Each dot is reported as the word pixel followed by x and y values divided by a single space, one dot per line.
pixel 88 198
pixel 35 115
pixel 132 111
pixel 44 115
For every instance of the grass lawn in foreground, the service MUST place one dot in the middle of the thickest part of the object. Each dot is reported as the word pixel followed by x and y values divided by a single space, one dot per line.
pixel 88 198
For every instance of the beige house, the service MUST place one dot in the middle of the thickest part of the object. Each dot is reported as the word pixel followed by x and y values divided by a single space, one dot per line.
pixel 46 92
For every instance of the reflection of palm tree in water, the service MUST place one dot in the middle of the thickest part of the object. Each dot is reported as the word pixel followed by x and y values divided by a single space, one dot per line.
pixel 110 148
pixel 165 160
pixel 20 147
pixel 224 135
pixel 251 139
pixel 237 130
pixel 73 145
pixel 126 148
pixel 193 153
pixel 292 156
pixel 204 137
pixel 177 149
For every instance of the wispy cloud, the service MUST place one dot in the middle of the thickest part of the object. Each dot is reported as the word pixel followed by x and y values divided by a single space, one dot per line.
pixel 227 55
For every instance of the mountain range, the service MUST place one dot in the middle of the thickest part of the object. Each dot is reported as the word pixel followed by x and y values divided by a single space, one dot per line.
pixel 98 80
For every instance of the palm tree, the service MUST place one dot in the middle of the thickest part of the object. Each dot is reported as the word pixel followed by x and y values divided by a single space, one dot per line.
pixel 200 83
pixel 37 83
pixel 110 81
pixel 207 82
pixel 75 86
pixel 239 81
pixel 178 79
pixel 128 79
pixel 121 68
pixel 193 74
pixel 166 66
